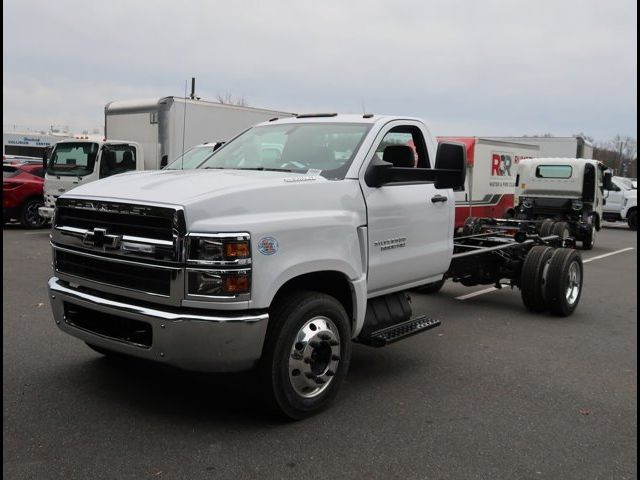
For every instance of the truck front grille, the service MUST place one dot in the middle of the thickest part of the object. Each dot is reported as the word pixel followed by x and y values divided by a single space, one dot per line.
pixel 120 219
pixel 126 275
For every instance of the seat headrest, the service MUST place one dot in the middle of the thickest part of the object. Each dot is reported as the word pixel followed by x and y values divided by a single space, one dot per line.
pixel 399 156
pixel 128 163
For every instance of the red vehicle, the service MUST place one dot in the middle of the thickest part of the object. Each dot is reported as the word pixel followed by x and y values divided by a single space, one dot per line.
pixel 22 194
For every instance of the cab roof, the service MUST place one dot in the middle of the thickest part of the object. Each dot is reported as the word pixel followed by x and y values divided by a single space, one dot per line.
pixel 366 119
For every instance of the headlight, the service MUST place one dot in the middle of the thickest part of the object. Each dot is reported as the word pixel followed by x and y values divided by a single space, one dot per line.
pixel 218 283
pixel 577 204
pixel 208 254
pixel 219 249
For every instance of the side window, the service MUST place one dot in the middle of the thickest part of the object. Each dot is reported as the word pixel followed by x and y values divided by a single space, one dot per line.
pixel 408 148
pixel 117 159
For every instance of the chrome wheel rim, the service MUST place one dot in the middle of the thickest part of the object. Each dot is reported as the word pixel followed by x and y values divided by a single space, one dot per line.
pixel 314 357
pixel 574 282
pixel 32 216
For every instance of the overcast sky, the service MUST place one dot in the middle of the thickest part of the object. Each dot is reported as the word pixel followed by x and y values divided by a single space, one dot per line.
pixel 482 67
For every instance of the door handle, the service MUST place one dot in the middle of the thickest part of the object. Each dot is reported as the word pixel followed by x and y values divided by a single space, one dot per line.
pixel 438 198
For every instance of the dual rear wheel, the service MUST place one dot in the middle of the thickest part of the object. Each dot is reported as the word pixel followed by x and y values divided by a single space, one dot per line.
pixel 551 280
pixel 563 230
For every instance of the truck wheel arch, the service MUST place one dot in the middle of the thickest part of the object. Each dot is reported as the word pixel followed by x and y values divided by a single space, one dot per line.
pixel 630 211
pixel 330 282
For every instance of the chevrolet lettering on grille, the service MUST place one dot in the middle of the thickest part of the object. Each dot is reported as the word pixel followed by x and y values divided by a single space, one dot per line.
pixel 100 238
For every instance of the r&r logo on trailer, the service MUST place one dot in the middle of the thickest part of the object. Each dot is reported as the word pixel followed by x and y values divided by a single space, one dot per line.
pixel 501 165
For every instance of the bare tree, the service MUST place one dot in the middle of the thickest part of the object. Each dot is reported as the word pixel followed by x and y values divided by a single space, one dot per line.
pixel 620 154
pixel 626 149
pixel 228 99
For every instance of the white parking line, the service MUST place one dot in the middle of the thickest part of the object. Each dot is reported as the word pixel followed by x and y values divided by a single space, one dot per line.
pixel 493 289
pixel 475 294
pixel 607 254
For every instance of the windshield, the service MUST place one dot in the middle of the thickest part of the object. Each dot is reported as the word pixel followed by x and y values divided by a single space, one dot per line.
pixel 325 147
pixel 192 158
pixel 73 159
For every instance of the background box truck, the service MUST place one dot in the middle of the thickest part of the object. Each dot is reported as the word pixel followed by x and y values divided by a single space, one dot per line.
pixel 491 175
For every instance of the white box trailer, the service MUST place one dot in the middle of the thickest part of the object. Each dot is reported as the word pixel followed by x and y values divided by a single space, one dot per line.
pixel 491 177
pixel 556 147
pixel 164 129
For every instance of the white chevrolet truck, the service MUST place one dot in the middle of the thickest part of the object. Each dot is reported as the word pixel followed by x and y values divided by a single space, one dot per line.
pixel 621 202
pixel 293 240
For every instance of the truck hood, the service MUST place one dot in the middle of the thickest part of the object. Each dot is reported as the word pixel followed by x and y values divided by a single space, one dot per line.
pixel 182 187
pixel 228 197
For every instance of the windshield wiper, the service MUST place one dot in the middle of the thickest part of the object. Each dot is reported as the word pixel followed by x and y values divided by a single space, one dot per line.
pixel 261 169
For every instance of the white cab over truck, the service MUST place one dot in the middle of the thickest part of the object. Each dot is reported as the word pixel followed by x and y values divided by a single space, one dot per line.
pixel 566 196
pixel 75 162
pixel 291 241
pixel 621 202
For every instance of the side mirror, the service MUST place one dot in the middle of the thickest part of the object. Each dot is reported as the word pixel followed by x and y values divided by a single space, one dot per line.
pixel 451 166
pixel 378 173
pixel 164 160
pixel 607 183
pixel 218 145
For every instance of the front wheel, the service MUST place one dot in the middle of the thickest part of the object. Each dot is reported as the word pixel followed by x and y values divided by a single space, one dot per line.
pixel 29 216
pixel 307 353
pixel 589 239
pixel 632 220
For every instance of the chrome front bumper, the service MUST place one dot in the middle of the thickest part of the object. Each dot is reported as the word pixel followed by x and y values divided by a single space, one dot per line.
pixel 46 212
pixel 225 342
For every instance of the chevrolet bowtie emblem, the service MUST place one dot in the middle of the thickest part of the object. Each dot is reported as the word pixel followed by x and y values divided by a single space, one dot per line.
pixel 100 238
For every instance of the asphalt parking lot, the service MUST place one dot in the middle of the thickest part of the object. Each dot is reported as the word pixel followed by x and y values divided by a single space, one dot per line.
pixel 494 393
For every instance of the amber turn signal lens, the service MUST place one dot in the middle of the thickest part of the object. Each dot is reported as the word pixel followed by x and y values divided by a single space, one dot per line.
pixel 236 284
pixel 236 250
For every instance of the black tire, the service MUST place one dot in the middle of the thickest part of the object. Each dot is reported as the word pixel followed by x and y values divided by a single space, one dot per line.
pixel 546 227
pixel 564 281
pixel 292 345
pixel 29 216
pixel 532 278
pixel 632 221
pixel 561 229
pixel 430 288
pixel 589 239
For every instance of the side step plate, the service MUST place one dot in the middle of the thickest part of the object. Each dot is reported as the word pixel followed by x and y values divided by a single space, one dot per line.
pixel 391 334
